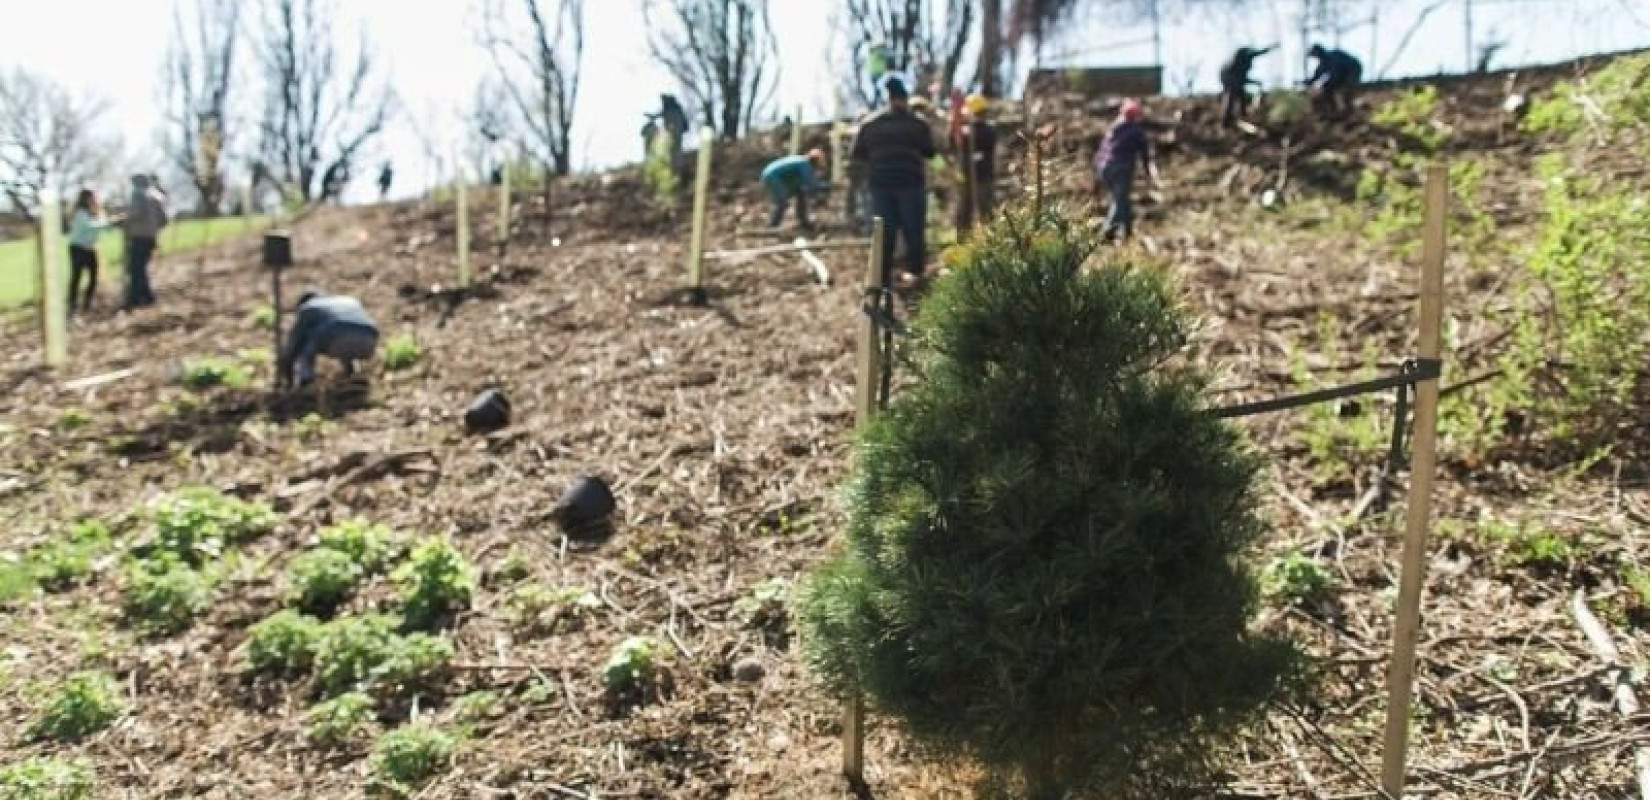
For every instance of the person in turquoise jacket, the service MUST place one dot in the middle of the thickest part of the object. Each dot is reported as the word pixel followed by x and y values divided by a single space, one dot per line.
pixel 792 177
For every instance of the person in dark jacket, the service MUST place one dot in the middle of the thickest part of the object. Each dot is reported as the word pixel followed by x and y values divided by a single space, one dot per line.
pixel 979 144
pixel 1125 147
pixel 386 176
pixel 793 177
pixel 1235 83
pixel 896 146
pixel 1336 78
pixel 145 217
pixel 327 325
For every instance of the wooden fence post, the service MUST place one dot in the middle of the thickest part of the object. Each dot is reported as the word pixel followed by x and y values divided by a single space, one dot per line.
pixel 796 132
pixel 701 199
pixel 865 407
pixel 1423 464
pixel 463 200
pixel 504 207
pixel 53 293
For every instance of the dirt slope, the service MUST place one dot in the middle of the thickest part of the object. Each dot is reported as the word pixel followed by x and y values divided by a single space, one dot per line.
pixel 725 431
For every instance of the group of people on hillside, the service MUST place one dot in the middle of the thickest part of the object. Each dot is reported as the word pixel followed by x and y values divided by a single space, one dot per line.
pixel 146 215
pixel 890 158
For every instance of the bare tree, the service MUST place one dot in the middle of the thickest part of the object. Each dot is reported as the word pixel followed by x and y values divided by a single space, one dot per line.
pixel 320 110
pixel 48 137
pixel 921 35
pixel 538 49
pixel 490 128
pixel 198 76
pixel 722 52
pixel 989 74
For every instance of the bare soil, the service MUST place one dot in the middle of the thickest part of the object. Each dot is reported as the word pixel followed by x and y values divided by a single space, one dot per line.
pixel 725 431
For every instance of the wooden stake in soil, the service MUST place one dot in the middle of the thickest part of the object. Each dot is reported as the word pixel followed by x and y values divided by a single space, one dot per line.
pixel 1423 463
pixel 865 407
pixel 796 132
pixel 462 198
pixel 503 207
pixel 701 198
pixel 53 294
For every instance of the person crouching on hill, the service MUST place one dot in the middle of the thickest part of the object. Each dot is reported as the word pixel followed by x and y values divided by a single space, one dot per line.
pixel 793 177
pixel 330 325
pixel 1125 145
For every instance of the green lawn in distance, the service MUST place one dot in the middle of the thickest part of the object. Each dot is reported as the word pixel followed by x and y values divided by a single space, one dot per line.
pixel 17 258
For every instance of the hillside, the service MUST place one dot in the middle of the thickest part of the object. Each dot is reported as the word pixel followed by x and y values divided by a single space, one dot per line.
pixel 725 432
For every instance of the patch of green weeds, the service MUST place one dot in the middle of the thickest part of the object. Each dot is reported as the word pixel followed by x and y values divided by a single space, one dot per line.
pixel 435 581
pixel 85 704
pixel 363 652
pixel 343 718
pixel 406 758
pixel 478 707
pixel 44 778
pixel 630 667
pixel 1295 577
pixel 1528 546
pixel 163 596
pixel 284 643
pixel 206 373
pixel 194 524
pixel 401 352
pixel 535 607
pixel 371 546
pixel 262 317
pixel 766 603
pixel 73 419
pixel 515 568
pixel 322 579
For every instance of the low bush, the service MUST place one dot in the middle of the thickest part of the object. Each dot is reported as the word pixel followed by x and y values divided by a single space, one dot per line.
pixel 163 596
pixel 321 579
pixel 535 607
pixel 1295 577
pixel 195 524
pixel 339 720
pixel 370 546
pixel 285 642
pixel 435 581
pixel 366 652
pixel 85 704
pixel 401 352
pixel 406 758
pixel 43 778
pixel 205 373
pixel 630 667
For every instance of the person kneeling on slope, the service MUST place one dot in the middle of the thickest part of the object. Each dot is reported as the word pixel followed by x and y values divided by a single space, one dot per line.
pixel 329 325
pixel 793 177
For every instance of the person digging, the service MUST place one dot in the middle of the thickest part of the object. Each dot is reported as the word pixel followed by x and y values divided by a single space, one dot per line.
pixel 793 178
pixel 896 146
pixel 1336 79
pixel 327 325
pixel 1235 83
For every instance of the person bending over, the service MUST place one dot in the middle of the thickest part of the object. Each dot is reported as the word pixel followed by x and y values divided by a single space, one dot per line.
pixel 328 325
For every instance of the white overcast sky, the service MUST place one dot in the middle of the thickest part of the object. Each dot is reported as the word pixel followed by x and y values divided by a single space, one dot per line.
pixel 114 47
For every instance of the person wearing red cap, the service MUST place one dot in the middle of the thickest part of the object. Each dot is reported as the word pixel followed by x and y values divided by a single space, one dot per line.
pixel 1125 145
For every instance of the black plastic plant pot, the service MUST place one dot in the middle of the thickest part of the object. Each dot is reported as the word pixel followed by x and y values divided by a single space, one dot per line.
pixel 489 411
pixel 586 509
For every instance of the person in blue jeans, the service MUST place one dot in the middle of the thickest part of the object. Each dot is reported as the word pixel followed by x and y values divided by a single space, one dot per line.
pixel 1125 146
pixel 331 325
pixel 145 217
pixel 895 146
pixel 792 177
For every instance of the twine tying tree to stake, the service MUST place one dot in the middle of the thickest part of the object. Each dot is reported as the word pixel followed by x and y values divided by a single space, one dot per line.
pixel 1423 465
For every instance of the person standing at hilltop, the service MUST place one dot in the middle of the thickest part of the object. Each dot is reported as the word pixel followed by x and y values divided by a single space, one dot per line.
pixel 1235 83
pixel 145 217
pixel 1126 145
pixel 1336 79
pixel 86 224
pixel 978 149
pixel 896 146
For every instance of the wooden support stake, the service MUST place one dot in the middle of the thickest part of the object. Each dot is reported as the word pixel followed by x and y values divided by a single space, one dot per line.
pixel 248 213
pixel 54 298
pixel 1423 464
pixel 503 206
pixel 701 199
pixel 463 200
pixel 839 161
pixel 796 132
pixel 865 407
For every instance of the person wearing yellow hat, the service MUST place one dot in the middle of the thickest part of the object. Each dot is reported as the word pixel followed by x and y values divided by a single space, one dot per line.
pixel 793 177
pixel 979 150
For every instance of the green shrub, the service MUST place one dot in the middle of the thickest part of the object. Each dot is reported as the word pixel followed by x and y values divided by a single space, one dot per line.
pixel 284 642
pixel 536 607
pixel 164 596
pixel 1528 546
pixel 365 652
pixel 41 778
pixel 196 523
pixel 1295 577
pixel 85 704
pixel 367 544
pixel 321 579
pixel 1414 115
pixel 205 373
pixel 630 666
pixel 61 563
pixel 401 352
pixel 73 419
pixel 435 581
pixel 478 706
pixel 659 170
pixel 1606 103
pixel 1043 568
pixel 406 758
pixel 335 721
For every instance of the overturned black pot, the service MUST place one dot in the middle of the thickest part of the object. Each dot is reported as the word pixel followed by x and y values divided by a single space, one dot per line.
pixel 489 411
pixel 585 510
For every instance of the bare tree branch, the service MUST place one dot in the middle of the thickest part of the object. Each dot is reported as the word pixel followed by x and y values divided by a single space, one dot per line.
pixel 198 76
pixel 48 137
pixel 539 58
pixel 722 52
pixel 319 113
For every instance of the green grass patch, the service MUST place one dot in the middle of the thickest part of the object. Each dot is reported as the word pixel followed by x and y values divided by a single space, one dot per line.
pixel 85 704
pixel 19 271
pixel 46 779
